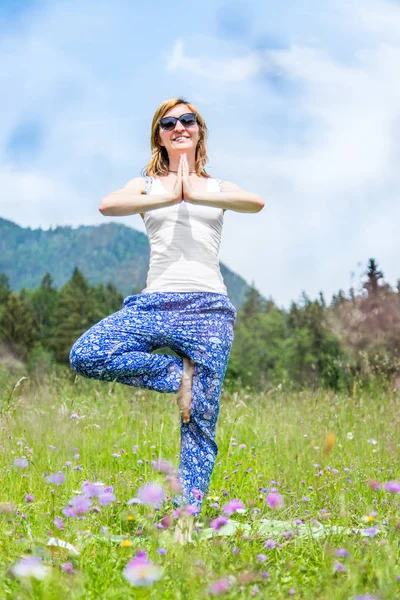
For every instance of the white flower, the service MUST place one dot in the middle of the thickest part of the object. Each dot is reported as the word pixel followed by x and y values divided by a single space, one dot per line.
pixel 350 435
pixel 30 566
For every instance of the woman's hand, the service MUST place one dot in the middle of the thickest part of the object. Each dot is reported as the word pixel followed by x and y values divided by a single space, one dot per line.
pixel 188 194
pixel 177 190
pixel 182 189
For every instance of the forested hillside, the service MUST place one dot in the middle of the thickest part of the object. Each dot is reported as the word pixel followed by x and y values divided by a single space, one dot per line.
pixel 110 253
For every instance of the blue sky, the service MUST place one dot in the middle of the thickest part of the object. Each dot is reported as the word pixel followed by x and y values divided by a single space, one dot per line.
pixel 302 102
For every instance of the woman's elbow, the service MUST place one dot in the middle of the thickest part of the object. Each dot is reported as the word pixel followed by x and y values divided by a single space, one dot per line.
pixel 104 206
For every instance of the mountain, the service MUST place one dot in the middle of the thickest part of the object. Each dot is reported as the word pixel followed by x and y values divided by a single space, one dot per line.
pixel 104 253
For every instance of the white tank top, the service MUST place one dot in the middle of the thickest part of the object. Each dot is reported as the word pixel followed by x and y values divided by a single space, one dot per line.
pixel 184 245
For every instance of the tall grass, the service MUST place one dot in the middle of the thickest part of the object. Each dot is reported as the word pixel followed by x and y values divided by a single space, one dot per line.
pixel 326 455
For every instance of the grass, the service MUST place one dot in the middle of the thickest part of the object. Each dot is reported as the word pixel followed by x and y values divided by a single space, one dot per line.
pixel 317 449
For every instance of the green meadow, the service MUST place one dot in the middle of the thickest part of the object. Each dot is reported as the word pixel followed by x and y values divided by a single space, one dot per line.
pixel 334 460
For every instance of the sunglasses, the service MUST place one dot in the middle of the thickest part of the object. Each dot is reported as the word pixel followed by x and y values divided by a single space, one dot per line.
pixel 187 120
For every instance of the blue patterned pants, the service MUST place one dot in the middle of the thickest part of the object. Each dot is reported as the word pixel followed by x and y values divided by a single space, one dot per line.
pixel 198 325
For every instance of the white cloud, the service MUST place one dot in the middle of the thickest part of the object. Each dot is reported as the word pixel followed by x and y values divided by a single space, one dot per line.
pixel 229 69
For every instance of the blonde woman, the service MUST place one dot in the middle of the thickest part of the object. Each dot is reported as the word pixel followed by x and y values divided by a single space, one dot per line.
pixel 184 305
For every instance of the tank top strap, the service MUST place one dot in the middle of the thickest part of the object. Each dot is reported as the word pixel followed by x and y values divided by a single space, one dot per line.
pixel 149 183
pixel 219 182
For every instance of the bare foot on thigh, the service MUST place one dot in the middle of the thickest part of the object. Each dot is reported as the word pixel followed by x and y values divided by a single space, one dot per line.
pixel 184 397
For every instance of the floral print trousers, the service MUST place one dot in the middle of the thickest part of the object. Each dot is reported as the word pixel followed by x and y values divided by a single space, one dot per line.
pixel 198 325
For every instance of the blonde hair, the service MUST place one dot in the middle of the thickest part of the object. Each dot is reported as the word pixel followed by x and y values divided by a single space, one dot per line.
pixel 159 162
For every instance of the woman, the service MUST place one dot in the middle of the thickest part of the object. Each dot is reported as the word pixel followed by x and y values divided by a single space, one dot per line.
pixel 185 305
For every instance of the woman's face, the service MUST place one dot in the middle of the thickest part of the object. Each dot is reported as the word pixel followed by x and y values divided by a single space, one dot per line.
pixel 180 138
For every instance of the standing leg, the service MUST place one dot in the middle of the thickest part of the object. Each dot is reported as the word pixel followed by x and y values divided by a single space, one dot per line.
pixel 206 336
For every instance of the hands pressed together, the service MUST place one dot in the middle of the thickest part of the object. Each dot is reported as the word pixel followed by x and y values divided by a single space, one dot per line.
pixel 182 189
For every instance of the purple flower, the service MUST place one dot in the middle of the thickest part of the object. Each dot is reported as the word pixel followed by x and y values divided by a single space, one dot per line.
pixel 339 567
pixel 342 552
pixel 270 544
pixel 287 535
pixel 77 506
pixel 30 566
pixel 91 490
pixel 265 575
pixel 106 498
pixel 21 462
pixel 67 567
pixel 393 486
pixel 163 466
pixel 198 494
pixel 59 523
pixel 261 557
pixel 161 551
pixel 56 479
pixel 371 531
pixel 233 506
pixel 275 500
pixel 29 498
pixel 152 494
pixel 218 523
pixel 219 587
pixel 140 571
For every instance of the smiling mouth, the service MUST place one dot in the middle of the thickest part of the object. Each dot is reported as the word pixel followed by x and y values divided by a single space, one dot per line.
pixel 180 137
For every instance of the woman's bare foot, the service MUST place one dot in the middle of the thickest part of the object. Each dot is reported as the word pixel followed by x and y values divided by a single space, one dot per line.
pixel 184 397
pixel 183 529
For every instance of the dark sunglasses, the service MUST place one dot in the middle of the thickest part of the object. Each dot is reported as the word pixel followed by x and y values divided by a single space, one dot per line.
pixel 187 120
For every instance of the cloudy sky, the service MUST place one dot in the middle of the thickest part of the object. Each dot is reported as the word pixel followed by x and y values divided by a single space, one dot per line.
pixel 301 98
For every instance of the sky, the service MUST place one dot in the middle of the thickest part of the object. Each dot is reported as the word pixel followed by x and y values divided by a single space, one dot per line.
pixel 301 99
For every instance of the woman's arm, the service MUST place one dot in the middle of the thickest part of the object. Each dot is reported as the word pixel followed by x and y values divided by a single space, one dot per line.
pixel 132 199
pixel 230 197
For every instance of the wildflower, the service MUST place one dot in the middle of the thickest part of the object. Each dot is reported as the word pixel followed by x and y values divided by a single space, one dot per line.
pixel 52 448
pixel 218 523
pixel 339 567
pixel 163 466
pixel 393 486
pixel 243 446
pixel 29 498
pixel 374 484
pixel 372 441
pixel 56 479
pixel 106 498
pixel 233 506
pixel 275 500
pixel 22 462
pixel 255 589
pixel 59 523
pixel 161 551
pixel 270 544
pixel 30 566
pixel 152 494
pixel 126 543
pixel 287 535
pixel 261 557
pixel 371 531
pixel 350 435
pixel 342 552
pixel 140 571
pixel 198 495
pixel 265 575
pixel 219 587
pixel 67 567
pixel 91 490
pixel 77 506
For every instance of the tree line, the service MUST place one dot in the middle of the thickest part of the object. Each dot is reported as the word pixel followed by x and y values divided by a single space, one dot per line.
pixel 353 340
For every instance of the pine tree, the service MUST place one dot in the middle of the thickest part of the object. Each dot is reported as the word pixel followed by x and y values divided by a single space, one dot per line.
pixel 253 303
pixel 373 278
pixel 16 326
pixel 76 311
pixel 43 301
